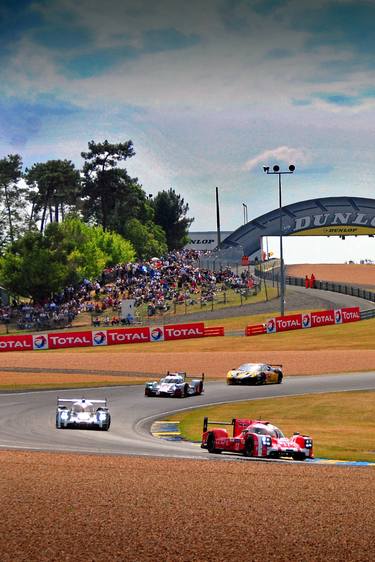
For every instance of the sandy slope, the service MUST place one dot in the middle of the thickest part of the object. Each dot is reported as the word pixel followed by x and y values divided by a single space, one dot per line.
pixel 352 274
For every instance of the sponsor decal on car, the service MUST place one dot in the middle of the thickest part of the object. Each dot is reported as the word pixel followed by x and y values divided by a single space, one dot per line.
pixel 40 342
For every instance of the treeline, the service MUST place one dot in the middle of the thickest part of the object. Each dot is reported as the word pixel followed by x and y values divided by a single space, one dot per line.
pixel 70 223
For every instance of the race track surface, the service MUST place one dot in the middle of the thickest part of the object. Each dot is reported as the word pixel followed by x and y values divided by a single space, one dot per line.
pixel 27 420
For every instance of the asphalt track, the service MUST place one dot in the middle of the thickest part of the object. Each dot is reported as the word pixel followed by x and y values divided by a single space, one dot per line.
pixel 27 419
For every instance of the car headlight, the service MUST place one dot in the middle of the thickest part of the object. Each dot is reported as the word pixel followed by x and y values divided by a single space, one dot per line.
pixel 266 440
pixel 64 415
pixel 308 443
pixel 102 416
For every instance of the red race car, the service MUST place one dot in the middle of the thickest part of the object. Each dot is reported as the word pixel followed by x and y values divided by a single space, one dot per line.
pixel 256 438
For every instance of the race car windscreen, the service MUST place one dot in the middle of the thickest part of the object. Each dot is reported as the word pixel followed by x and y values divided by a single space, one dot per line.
pixel 249 367
pixel 171 380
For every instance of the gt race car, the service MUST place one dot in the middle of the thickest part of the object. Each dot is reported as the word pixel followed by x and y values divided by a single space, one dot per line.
pixel 82 413
pixel 255 373
pixel 256 438
pixel 177 384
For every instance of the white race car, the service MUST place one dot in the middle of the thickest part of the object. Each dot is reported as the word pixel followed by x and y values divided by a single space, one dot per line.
pixel 175 384
pixel 82 413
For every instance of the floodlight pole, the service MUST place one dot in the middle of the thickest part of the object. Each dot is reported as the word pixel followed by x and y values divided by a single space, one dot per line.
pixel 276 171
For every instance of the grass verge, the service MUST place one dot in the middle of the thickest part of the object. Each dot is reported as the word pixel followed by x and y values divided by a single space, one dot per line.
pixel 342 425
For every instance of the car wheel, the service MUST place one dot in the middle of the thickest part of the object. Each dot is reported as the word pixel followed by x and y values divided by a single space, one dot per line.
pixel 185 391
pixel 211 444
pixel 262 378
pixel 249 447
pixel 200 388
pixel 279 378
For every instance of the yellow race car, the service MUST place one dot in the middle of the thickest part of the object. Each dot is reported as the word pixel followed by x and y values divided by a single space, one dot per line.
pixel 255 373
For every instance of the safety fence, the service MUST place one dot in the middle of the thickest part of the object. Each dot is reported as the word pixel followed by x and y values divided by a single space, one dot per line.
pixel 112 336
pixel 305 320
pixel 273 275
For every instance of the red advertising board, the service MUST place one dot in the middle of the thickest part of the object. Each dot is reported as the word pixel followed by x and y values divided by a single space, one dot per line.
pixel 16 343
pixel 69 339
pixel 128 335
pixel 184 331
pixel 291 322
pixel 350 314
pixel 322 318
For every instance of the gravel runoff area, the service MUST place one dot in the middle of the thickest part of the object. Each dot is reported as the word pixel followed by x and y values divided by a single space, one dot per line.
pixel 349 273
pixel 61 507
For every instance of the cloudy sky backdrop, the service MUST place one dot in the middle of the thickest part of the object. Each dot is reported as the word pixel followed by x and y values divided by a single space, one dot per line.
pixel 208 91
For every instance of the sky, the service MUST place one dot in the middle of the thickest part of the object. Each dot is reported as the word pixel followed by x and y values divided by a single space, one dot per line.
pixel 208 92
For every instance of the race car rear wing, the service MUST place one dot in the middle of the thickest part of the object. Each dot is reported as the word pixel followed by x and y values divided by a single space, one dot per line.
pixel 206 423
pixel 275 365
pixel 184 375
pixel 72 400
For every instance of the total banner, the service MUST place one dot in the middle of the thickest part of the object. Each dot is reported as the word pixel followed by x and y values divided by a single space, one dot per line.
pixel 98 338
pixel 312 319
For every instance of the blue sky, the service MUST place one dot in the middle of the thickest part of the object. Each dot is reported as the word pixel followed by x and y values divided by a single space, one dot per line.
pixel 207 91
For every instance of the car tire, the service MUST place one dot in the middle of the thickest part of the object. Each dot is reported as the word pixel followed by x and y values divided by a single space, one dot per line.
pixel 262 379
pixel 279 378
pixel 249 447
pixel 185 391
pixel 200 388
pixel 211 444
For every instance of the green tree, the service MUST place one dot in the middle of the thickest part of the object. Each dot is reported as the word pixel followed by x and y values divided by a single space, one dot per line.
pixel 170 213
pixel 12 199
pixel 56 188
pixel 111 195
pixel 148 239
pixel 40 264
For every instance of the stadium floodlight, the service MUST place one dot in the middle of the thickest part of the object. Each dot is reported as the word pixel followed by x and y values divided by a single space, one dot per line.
pixel 276 171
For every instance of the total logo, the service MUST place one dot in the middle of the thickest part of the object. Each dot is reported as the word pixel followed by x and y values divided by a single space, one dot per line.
pixel 338 316
pixel 99 338
pixel 271 326
pixel 306 320
pixel 40 342
pixel 157 334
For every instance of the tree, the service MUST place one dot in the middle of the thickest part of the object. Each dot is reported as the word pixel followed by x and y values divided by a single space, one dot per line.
pixel 12 198
pixel 57 185
pixel 148 239
pixel 40 264
pixel 107 187
pixel 170 213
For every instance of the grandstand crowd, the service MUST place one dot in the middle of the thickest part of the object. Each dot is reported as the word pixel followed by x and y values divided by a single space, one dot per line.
pixel 158 284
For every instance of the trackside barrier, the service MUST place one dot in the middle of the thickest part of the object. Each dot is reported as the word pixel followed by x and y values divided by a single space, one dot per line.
pixel 213 331
pixel 112 336
pixel 255 330
pixel 305 321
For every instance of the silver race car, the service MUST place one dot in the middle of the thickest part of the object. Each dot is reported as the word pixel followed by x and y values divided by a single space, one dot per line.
pixel 175 384
pixel 82 413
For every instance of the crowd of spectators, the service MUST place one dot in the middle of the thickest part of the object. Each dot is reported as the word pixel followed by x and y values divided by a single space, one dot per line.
pixel 158 284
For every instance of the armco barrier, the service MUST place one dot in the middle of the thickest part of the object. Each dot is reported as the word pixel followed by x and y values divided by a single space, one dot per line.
pixel 100 338
pixel 214 331
pixel 305 321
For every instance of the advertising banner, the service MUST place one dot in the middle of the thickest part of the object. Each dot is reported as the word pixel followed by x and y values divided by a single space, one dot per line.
pixel 156 334
pixel 40 341
pixel 127 335
pixel 16 343
pixel 291 322
pixel 350 314
pixel 69 339
pixel 322 318
pixel 306 320
pixel 184 331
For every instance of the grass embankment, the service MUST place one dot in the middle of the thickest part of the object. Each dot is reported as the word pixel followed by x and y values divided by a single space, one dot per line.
pixel 342 425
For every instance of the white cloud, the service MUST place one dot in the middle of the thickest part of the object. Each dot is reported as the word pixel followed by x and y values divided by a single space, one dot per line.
pixel 284 154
